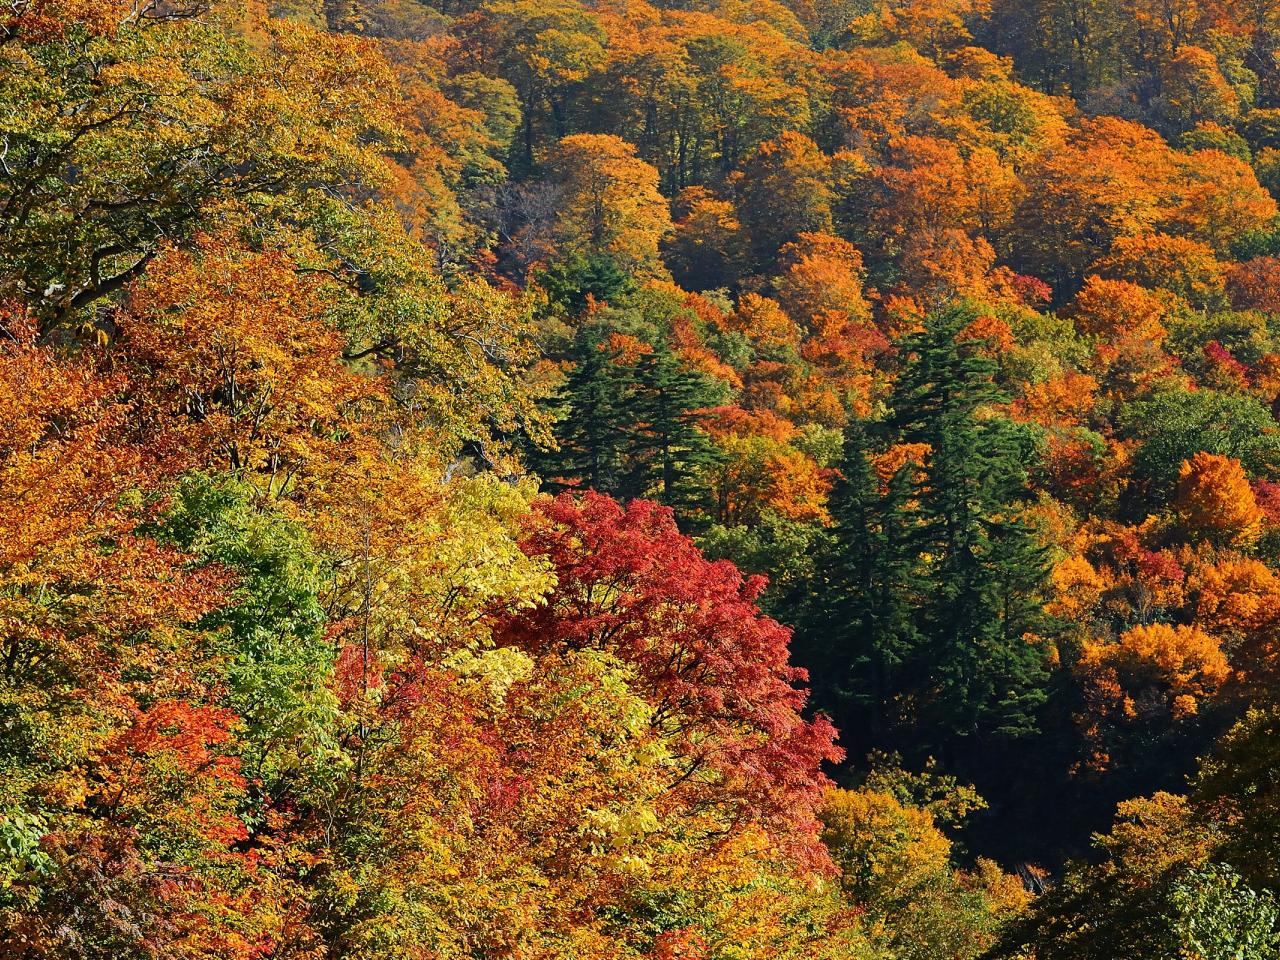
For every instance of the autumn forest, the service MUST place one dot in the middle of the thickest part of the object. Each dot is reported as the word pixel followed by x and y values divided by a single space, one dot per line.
pixel 639 479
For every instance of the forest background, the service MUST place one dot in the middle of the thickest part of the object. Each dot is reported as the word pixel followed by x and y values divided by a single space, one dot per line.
pixel 714 479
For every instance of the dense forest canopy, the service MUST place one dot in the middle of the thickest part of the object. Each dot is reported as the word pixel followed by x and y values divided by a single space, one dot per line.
pixel 613 480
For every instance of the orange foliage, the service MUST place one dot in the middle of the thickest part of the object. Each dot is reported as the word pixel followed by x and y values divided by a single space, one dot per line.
pixel 1138 583
pixel 1175 668
pixel 1235 595
pixel 929 186
pixel 880 96
pixel 1219 200
pixel 608 202
pixel 763 322
pixel 100 654
pixel 1118 310
pixel 554 728
pixel 708 247
pixel 784 192
pixel 990 333
pixel 1215 500
pixel 43 20
pixel 931 26
pixel 627 350
pixel 1113 178
pixel 821 274
pixel 888 464
pixel 1193 89
pixel 239 356
pixel 940 266
pixel 760 474
pixel 1062 401
pixel 1158 261
pixel 726 421
pixel 1077 589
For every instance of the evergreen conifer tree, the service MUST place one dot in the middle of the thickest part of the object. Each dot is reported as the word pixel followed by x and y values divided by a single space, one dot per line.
pixel 984 565
pixel 860 630
pixel 630 429
pixel 920 634
pixel 592 428
pixel 669 450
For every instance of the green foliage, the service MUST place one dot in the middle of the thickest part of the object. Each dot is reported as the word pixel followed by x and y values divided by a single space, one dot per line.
pixel 278 660
pixel 1213 137
pixel 929 592
pixel 592 430
pixel 948 801
pixel 987 565
pixel 571 284
pixel 1216 917
pixel 861 625
pixel 1243 765
pixel 21 858
pixel 895 865
pixel 91 190
pixel 784 550
pixel 669 449
pixel 1174 425
pixel 296 659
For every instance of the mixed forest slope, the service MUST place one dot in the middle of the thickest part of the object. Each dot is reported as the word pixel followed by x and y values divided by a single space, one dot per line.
pixel 599 479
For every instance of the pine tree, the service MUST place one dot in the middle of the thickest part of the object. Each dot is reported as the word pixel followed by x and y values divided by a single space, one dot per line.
pixel 986 569
pixel 669 450
pixel 859 630
pixel 592 426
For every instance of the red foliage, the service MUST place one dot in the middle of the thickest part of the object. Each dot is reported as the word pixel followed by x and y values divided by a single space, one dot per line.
pixel 1071 467
pixel 1267 494
pixel 1159 565
pixel 1032 291
pixel 356 672
pixel 712 666
pixel 1224 369
pixel 682 944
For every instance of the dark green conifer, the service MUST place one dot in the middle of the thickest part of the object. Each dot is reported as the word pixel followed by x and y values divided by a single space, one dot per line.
pixel 631 429
pixel 669 448
pixel 983 562
pixel 920 633
pixel 593 423
pixel 859 630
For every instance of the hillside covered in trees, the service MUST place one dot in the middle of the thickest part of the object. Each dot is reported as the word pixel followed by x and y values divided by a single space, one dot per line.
pixel 626 480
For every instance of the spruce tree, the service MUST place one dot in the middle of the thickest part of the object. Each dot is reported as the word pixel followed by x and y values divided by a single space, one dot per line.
pixel 985 568
pixel 592 422
pixel 859 630
pixel 669 450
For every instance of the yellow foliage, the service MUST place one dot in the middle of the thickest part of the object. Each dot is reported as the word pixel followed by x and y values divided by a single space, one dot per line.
pixel 1077 589
pixel 1182 664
